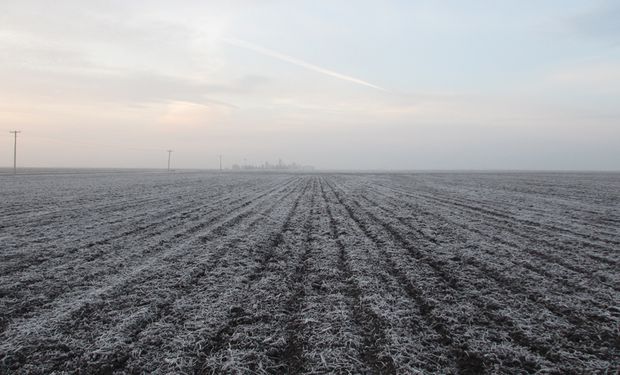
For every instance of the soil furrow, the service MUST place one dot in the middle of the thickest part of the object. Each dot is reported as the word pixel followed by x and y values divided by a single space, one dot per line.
pixel 371 325
pixel 438 235
pixel 454 281
pixel 172 248
pixel 467 362
pixel 243 314
pixel 508 223
pixel 155 244
pixel 310 273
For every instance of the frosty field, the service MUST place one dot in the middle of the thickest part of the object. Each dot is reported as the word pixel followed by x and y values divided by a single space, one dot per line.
pixel 310 273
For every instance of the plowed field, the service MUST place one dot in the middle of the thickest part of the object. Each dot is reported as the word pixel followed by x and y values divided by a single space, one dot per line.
pixel 197 273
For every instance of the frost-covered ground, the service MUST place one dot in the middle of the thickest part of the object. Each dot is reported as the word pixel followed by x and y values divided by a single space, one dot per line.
pixel 309 273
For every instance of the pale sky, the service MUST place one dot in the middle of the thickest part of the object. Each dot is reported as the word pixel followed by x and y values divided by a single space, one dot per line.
pixel 334 84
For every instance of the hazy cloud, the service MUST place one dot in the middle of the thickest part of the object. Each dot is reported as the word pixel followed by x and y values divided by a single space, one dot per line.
pixel 600 76
pixel 120 86
pixel 603 22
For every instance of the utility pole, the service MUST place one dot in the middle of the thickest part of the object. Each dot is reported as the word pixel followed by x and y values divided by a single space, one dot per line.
pixel 169 155
pixel 14 132
pixel 220 163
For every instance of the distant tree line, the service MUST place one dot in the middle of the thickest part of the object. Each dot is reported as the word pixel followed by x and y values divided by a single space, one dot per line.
pixel 269 166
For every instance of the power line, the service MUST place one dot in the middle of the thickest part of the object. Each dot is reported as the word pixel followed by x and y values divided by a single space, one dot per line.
pixel 14 132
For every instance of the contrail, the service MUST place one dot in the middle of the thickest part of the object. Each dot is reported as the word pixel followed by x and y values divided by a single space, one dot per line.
pixel 280 56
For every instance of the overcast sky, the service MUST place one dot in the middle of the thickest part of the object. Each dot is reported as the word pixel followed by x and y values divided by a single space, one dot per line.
pixel 334 84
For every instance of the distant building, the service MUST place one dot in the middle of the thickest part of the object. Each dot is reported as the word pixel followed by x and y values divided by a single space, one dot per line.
pixel 267 166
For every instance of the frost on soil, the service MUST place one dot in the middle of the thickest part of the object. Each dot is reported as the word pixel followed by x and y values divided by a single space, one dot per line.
pixel 310 273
